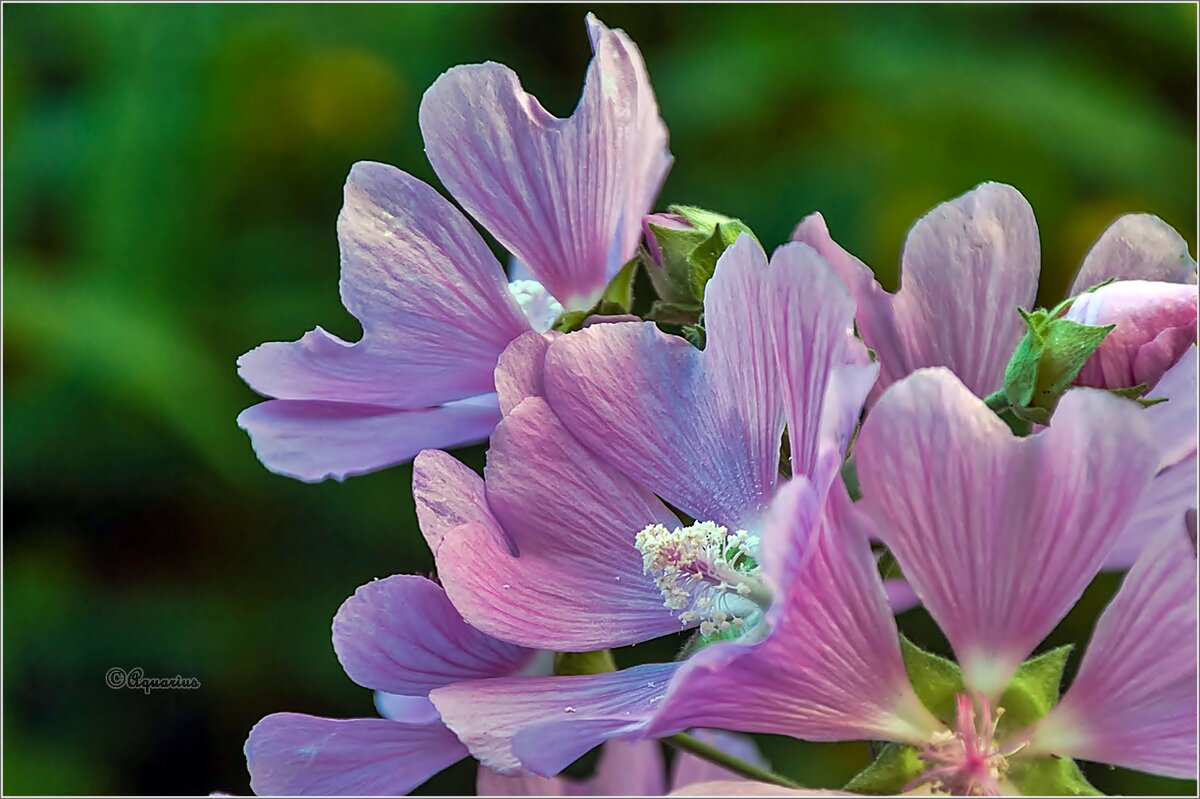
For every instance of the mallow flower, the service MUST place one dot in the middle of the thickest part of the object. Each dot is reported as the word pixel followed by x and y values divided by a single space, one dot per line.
pixel 626 480
pixel 998 536
pixel 564 196
pixel 971 262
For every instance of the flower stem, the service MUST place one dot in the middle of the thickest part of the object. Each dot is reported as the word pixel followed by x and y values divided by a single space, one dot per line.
pixel 712 754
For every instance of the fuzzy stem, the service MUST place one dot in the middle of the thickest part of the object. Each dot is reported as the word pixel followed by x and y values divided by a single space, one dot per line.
pixel 712 754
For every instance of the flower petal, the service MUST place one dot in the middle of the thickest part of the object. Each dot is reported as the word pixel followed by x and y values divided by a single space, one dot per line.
pixel 748 788
pixel 488 714
pixel 313 440
pixel 448 494
pixel 577 584
pixel 1155 326
pixel 701 429
pixel 565 196
pixel 829 669
pixel 999 535
pixel 690 770
pixel 825 372
pixel 1136 247
pixel 1173 490
pixel 401 635
pixel 1133 701
pixel 432 300
pixel 519 370
pixel 290 754
pixel 967 265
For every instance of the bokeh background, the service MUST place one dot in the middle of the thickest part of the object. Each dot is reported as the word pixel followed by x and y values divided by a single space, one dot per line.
pixel 172 174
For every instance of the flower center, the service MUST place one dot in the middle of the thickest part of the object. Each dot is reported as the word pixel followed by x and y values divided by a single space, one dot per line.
pixel 967 761
pixel 536 303
pixel 706 573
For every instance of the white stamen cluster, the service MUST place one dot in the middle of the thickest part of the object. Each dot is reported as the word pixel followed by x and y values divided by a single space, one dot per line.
pixel 539 307
pixel 705 572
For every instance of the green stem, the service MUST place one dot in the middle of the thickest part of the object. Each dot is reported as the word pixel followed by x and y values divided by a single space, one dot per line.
pixel 712 754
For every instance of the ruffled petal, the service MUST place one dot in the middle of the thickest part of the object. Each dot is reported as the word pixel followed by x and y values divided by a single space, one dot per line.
pixel 432 300
pixel 577 584
pixel 1133 701
pixel 967 265
pixel 401 635
pixel 290 754
pixel 690 770
pixel 488 714
pixel 999 535
pixel 1155 326
pixel 314 440
pixel 565 196
pixel 701 429
pixel 1136 247
pixel 448 494
pixel 829 669
pixel 825 373
pixel 519 371
pixel 1173 490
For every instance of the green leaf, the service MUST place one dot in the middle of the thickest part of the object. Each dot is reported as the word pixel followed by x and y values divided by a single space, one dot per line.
pixel 936 680
pixel 1034 689
pixel 674 313
pixel 573 664
pixel 1049 776
pixel 896 766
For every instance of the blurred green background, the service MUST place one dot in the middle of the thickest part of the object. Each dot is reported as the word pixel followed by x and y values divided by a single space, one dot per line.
pixel 172 175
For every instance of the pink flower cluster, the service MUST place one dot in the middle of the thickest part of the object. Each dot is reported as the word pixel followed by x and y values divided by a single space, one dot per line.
pixel 638 486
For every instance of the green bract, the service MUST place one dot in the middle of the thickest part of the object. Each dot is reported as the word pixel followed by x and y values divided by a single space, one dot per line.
pixel 689 255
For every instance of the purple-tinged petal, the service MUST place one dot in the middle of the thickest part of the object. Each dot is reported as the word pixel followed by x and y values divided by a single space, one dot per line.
pixel 824 371
pixel 448 494
pixel 488 714
pixel 493 783
pixel 829 669
pixel 290 754
pixel 313 440
pixel 748 788
pixel 999 535
pixel 1133 701
pixel 1155 326
pixel 432 300
pixel 901 596
pixel 519 370
pixel 1136 247
pixel 629 768
pixel 1173 490
pixel 690 770
pixel 701 429
pixel 967 265
pixel 565 196
pixel 401 635
pixel 577 583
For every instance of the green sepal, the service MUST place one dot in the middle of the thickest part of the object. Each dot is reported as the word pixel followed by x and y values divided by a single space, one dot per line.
pixel 674 313
pixel 570 321
pixel 1068 346
pixel 936 680
pixel 1136 393
pixel 1020 376
pixel 695 335
pixel 689 255
pixel 896 767
pixel 1034 689
pixel 702 261
pixel 850 478
pixel 618 294
pixel 1049 776
pixel 1045 362
pixel 574 664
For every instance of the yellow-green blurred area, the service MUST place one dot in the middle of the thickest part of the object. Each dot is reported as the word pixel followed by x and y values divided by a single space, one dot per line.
pixel 172 174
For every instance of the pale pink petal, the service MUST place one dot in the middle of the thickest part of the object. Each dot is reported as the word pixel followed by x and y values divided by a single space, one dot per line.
pixel 432 300
pixel 565 196
pixel 824 371
pixel 967 265
pixel 519 370
pixel 401 635
pixel 290 754
pixel 448 494
pixel 577 583
pixel 629 768
pixel 747 788
pixel 493 783
pixel 1137 247
pixel 829 669
pixel 690 770
pixel 699 428
pixel 1133 701
pixel 999 535
pixel 313 440
pixel 488 714
pixel 1155 326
